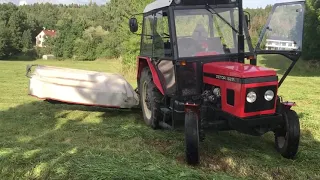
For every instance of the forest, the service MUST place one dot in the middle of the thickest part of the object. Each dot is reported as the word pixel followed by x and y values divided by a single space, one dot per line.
pixel 89 32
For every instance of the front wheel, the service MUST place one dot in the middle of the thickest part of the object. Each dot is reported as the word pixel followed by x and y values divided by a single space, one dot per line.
pixel 192 138
pixel 287 138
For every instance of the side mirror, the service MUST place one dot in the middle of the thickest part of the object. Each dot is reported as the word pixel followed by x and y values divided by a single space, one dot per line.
pixel 133 24
pixel 248 19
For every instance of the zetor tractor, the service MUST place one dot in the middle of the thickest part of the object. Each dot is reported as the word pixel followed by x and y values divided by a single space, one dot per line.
pixel 197 70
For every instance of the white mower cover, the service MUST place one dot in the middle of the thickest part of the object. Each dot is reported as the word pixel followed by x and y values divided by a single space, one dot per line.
pixel 82 87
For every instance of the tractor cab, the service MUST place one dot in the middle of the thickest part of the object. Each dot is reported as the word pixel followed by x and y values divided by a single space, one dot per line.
pixel 195 33
pixel 198 68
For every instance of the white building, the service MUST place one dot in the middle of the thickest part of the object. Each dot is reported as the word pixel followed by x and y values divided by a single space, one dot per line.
pixel 279 43
pixel 41 37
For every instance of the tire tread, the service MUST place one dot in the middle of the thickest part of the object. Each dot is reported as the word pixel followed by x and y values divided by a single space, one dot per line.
pixel 156 98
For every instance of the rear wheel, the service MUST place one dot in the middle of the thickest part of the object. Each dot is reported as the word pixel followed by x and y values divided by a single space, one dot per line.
pixel 192 138
pixel 287 138
pixel 150 99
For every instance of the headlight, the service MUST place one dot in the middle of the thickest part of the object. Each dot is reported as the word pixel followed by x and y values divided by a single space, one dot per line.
pixel 216 91
pixel 251 97
pixel 269 95
pixel 177 1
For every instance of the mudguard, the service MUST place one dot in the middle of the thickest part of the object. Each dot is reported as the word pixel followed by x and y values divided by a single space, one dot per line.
pixel 144 62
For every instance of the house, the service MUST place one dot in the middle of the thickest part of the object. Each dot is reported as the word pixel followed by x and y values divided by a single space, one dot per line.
pixel 280 43
pixel 41 37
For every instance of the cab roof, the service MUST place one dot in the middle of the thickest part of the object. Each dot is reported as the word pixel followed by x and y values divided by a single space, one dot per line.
pixel 157 4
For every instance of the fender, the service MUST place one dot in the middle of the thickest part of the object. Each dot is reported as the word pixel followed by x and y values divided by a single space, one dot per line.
pixel 143 62
pixel 289 105
pixel 192 108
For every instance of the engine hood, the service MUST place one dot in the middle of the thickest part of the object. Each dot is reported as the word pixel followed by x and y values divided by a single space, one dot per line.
pixel 239 70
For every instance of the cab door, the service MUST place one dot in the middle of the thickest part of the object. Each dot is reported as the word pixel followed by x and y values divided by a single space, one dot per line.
pixel 283 33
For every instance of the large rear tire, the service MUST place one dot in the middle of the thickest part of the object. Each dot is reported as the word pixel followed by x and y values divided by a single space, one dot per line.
pixel 192 138
pixel 150 99
pixel 287 138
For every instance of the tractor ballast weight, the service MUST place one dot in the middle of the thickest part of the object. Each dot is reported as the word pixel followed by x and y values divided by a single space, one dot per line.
pixel 193 73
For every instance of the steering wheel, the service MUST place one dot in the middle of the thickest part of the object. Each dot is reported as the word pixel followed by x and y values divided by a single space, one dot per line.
pixel 204 51
pixel 226 49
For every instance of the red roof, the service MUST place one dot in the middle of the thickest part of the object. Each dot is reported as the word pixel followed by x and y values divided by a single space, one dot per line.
pixel 49 32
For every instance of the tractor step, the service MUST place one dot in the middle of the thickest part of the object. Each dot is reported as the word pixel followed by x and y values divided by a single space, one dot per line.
pixel 166 111
pixel 213 124
pixel 216 123
pixel 165 126
pixel 166 117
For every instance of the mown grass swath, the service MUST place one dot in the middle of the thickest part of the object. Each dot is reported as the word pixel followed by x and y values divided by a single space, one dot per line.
pixel 41 140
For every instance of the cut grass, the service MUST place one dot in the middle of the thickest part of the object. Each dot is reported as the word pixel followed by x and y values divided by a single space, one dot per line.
pixel 39 140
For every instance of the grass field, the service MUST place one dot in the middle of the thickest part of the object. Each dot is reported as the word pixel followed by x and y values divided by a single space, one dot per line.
pixel 39 140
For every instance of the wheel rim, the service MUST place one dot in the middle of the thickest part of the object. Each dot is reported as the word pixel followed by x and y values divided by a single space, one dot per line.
pixel 147 111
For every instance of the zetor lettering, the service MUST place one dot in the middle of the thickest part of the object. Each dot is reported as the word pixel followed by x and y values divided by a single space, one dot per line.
pixel 226 78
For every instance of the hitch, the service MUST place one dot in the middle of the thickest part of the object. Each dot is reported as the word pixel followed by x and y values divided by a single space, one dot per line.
pixel 29 69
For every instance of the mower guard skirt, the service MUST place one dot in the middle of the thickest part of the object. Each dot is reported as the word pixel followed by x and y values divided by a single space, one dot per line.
pixel 81 87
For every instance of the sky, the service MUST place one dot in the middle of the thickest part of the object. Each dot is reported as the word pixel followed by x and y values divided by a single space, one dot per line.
pixel 246 3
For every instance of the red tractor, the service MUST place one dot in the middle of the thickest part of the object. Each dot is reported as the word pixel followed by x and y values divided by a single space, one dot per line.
pixel 192 71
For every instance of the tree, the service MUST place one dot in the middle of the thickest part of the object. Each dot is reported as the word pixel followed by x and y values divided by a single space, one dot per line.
pixel 16 26
pixel 311 41
pixel 4 41
pixel 26 41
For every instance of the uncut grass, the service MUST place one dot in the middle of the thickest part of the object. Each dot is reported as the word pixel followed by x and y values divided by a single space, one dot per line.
pixel 40 140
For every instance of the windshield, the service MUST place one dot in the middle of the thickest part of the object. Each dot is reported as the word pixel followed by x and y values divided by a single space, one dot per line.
pixel 206 31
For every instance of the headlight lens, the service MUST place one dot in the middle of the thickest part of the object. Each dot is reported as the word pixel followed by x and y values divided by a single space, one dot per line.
pixel 216 91
pixel 269 95
pixel 251 97
pixel 177 1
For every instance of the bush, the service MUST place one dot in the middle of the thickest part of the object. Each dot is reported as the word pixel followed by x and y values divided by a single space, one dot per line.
pixel 40 51
pixel 27 55
pixel 131 49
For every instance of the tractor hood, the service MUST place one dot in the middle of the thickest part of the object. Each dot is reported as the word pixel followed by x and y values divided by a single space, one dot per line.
pixel 239 70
